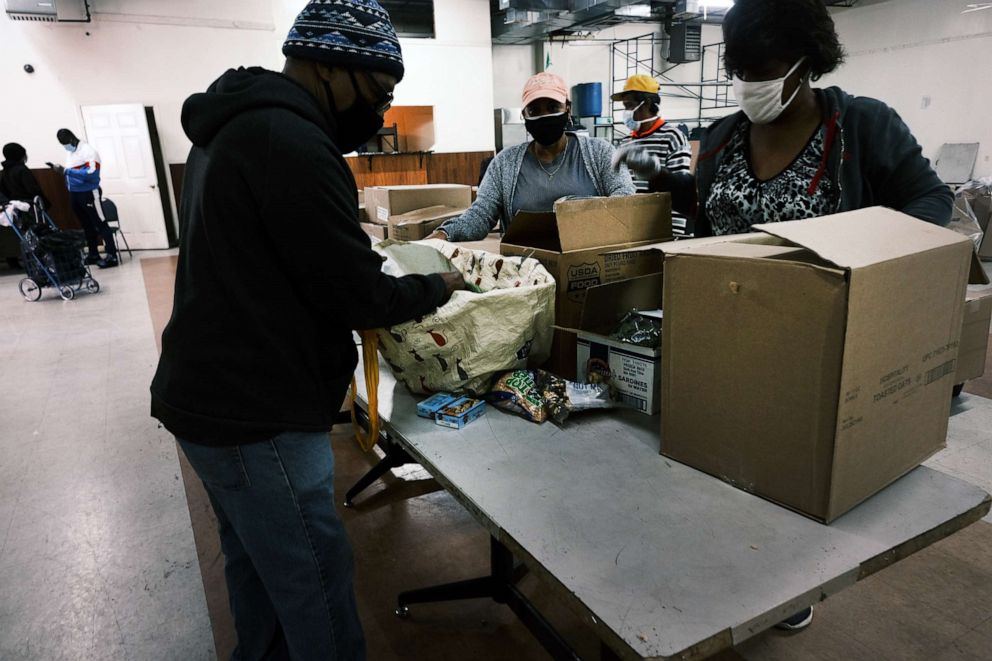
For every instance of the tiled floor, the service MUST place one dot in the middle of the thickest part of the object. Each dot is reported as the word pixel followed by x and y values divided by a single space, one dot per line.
pixel 97 557
pixel 96 552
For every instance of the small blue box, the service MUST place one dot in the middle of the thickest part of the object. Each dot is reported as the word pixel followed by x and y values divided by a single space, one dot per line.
pixel 430 406
pixel 459 413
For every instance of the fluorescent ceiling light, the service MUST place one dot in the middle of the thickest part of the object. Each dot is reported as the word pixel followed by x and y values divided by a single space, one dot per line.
pixel 716 4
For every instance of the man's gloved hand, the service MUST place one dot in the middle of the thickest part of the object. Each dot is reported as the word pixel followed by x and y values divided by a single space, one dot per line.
pixel 638 160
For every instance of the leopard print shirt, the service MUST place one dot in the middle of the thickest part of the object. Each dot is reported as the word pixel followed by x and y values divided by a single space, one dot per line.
pixel 738 199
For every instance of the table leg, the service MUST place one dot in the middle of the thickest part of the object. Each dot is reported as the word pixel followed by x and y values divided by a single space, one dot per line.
pixel 500 586
pixel 606 653
pixel 395 457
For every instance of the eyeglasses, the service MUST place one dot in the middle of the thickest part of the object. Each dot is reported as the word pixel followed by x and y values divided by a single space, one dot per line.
pixel 543 112
pixel 386 98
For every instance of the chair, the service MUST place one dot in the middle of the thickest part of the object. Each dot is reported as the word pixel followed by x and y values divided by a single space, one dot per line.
pixel 114 221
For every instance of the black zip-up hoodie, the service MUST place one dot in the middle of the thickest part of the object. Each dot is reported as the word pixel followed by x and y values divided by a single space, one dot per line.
pixel 274 270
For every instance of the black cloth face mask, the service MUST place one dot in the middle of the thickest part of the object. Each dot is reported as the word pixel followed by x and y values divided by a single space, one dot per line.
pixel 547 130
pixel 356 125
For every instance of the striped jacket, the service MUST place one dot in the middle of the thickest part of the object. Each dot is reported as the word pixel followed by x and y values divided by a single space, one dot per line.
pixel 671 145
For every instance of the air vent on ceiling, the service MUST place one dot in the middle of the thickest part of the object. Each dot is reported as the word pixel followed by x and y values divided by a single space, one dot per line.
pixel 48 11
pixel 686 43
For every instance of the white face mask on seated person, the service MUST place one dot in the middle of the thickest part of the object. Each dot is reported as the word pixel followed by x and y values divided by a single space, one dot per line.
pixel 761 100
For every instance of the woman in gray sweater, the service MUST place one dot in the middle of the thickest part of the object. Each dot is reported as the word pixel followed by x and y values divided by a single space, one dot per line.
pixel 531 176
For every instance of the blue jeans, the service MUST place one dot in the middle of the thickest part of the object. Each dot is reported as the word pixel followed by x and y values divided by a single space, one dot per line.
pixel 288 562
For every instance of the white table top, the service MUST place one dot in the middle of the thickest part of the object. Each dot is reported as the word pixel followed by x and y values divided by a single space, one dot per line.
pixel 660 559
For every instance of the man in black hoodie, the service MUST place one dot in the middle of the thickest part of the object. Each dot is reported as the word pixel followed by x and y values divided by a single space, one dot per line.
pixel 274 274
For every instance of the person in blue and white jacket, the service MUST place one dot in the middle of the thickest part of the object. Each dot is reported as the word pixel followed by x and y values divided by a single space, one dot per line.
pixel 82 178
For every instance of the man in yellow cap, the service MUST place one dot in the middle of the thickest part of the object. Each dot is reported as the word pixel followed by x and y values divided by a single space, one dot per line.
pixel 652 141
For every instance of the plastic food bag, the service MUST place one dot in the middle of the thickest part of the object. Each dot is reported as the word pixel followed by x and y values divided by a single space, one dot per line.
pixel 562 397
pixel 517 392
pixel 461 346
pixel 639 329
pixel 537 395
pixel 972 209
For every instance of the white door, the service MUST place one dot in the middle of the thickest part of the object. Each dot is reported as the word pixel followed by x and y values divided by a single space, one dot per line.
pixel 119 133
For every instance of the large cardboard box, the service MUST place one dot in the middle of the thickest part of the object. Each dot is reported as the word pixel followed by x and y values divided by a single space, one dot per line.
pixel 381 202
pixel 974 346
pixel 813 365
pixel 418 224
pixel 579 243
pixel 634 371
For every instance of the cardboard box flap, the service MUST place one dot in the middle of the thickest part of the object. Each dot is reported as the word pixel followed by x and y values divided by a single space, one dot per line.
pixel 606 304
pixel 856 239
pixel 603 221
pixel 978 294
pixel 580 224
pixel 533 230
pixel 426 214
pixel 750 250
pixel 690 245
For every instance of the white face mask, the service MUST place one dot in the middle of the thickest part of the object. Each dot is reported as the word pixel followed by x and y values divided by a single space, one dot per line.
pixel 761 100
pixel 634 124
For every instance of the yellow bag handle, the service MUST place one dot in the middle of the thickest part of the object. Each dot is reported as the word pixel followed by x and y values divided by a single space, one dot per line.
pixel 370 359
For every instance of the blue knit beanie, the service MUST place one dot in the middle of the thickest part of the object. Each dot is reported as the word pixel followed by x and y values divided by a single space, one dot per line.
pixel 350 33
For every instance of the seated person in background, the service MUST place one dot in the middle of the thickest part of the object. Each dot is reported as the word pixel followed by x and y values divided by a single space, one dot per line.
pixel 531 176
pixel 16 180
pixel 792 151
pixel 652 134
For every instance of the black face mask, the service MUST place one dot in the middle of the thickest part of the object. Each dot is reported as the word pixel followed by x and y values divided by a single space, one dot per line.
pixel 356 125
pixel 547 130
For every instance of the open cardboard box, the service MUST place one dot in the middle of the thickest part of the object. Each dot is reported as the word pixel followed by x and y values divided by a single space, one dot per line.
pixel 812 362
pixel 634 371
pixel 578 243
pixel 382 202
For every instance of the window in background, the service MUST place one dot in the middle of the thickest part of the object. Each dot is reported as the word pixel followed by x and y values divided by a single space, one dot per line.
pixel 411 18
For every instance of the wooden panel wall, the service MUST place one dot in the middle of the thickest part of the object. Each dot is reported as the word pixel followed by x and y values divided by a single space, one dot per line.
pixel 59 207
pixel 457 168
pixel 389 169
pixel 415 125
pixel 394 169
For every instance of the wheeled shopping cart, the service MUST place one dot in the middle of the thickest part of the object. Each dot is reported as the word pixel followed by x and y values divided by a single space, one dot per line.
pixel 51 257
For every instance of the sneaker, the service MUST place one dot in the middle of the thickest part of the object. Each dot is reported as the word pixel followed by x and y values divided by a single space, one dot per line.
pixel 798 621
pixel 92 259
pixel 107 263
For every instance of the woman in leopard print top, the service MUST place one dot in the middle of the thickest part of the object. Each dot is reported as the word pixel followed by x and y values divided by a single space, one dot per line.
pixel 795 151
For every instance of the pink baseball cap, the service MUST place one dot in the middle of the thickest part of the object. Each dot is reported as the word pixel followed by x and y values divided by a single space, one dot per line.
pixel 545 86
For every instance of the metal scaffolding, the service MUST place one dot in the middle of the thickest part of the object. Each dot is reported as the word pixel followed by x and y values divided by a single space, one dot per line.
pixel 646 54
